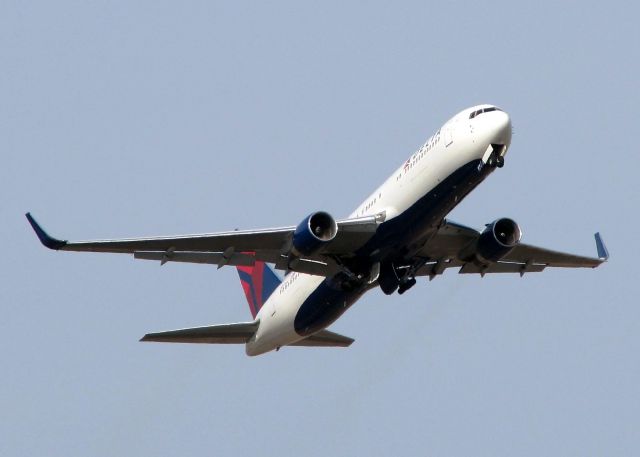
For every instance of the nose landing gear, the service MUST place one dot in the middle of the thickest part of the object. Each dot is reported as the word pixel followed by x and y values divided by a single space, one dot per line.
pixel 496 159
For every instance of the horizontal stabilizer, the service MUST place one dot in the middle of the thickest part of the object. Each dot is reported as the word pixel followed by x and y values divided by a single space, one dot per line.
pixel 325 338
pixel 238 333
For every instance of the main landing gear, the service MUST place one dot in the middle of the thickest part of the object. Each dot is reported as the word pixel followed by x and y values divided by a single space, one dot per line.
pixel 406 285
pixel 389 281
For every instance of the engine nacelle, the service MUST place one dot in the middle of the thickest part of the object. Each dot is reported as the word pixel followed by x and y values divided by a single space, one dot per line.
pixel 500 237
pixel 314 231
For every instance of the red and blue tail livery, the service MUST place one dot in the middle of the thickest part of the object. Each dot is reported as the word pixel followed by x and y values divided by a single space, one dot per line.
pixel 258 282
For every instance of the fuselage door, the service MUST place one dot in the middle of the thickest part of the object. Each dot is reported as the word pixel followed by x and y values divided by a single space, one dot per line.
pixel 271 306
pixel 448 134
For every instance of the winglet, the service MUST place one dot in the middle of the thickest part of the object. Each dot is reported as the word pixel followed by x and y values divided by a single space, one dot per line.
pixel 603 253
pixel 48 241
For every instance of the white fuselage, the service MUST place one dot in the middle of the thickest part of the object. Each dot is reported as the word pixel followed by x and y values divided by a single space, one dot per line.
pixel 464 139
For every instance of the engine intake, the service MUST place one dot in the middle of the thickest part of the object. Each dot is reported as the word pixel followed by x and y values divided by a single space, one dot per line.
pixel 498 239
pixel 313 232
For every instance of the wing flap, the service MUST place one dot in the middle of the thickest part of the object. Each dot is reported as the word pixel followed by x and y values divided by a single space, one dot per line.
pixel 237 333
pixel 241 259
pixel 214 258
pixel 325 338
pixel 449 240
pixel 352 234
pixel 501 267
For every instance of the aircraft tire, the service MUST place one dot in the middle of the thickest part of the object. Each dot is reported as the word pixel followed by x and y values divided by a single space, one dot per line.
pixel 388 281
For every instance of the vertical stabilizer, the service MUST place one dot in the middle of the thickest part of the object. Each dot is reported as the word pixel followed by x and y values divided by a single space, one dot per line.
pixel 258 282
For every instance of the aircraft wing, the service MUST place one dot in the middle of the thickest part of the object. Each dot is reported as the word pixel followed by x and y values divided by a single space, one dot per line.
pixel 444 249
pixel 526 253
pixel 236 248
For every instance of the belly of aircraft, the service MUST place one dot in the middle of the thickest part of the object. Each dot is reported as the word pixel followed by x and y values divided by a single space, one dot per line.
pixel 400 234
pixel 314 303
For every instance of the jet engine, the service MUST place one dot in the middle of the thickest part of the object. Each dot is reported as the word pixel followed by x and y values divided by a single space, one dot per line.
pixel 314 231
pixel 500 237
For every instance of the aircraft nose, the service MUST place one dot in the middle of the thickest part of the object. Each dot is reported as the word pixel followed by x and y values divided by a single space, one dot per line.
pixel 501 128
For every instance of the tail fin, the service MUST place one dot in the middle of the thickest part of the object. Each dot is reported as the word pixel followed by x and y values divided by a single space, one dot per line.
pixel 258 282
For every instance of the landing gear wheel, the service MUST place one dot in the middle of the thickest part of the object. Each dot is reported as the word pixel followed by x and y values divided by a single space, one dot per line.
pixel 387 279
pixel 499 161
pixel 406 285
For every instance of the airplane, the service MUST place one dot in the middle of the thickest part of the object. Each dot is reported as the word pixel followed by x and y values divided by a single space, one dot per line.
pixel 398 234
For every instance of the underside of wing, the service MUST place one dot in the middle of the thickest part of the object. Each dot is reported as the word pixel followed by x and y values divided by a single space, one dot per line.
pixel 449 241
pixel 454 246
pixel 236 248
pixel 238 333
pixel 524 253
pixel 325 338
pixel 245 240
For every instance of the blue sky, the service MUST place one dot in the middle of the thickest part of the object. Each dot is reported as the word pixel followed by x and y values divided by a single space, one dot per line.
pixel 158 118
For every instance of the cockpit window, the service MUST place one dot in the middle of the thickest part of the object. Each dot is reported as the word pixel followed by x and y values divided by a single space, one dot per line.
pixel 483 110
